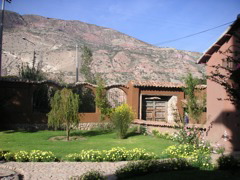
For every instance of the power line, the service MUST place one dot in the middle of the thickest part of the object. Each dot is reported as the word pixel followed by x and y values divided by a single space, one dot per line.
pixel 164 42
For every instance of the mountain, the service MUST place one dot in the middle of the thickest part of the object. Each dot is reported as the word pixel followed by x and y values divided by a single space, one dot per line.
pixel 116 56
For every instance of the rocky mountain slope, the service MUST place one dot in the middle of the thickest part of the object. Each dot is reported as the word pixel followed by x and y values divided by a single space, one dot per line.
pixel 116 56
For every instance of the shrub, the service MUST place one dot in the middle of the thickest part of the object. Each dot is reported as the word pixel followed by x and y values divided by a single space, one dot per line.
pixel 21 156
pixel 198 156
pixel 114 154
pixel 9 156
pixel 151 166
pixel 92 175
pixel 41 156
pixel 187 136
pixel 2 153
pixel 227 163
pixel 122 118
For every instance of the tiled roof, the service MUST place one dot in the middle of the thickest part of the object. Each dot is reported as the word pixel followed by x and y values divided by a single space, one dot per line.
pixel 116 85
pixel 157 84
pixel 222 39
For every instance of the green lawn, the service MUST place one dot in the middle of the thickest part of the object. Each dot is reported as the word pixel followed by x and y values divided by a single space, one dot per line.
pixel 190 175
pixel 20 140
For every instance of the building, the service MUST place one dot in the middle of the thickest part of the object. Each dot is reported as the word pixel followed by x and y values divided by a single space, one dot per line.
pixel 223 90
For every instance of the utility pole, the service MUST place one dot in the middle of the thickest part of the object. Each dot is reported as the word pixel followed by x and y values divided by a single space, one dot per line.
pixel 1 32
pixel 77 63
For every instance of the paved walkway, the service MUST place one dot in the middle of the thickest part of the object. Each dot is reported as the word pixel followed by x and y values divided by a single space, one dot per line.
pixel 58 170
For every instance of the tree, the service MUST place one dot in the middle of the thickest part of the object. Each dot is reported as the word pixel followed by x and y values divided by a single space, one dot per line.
pixel 101 100
pixel 122 118
pixel 86 65
pixel 33 73
pixel 194 105
pixel 64 110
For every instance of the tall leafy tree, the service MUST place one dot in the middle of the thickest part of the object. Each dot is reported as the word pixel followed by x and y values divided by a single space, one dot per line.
pixel 101 99
pixel 195 105
pixel 64 110
pixel 85 69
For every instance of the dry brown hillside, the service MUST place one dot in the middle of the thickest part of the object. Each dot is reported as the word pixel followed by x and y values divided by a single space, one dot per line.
pixel 116 56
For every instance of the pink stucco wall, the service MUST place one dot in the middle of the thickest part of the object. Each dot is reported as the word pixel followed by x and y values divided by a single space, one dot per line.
pixel 222 116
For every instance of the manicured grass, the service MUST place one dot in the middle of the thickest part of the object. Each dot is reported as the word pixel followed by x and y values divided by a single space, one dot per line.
pixel 193 174
pixel 22 140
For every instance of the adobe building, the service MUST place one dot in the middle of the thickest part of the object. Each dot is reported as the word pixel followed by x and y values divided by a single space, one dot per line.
pixel 223 88
pixel 25 103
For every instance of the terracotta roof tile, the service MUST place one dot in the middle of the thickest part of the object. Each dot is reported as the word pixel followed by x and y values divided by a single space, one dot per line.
pixel 157 84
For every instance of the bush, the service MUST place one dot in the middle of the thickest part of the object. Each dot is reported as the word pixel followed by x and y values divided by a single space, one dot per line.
pixel 198 156
pixel 9 156
pixel 122 118
pixel 151 166
pixel 114 154
pixel 92 175
pixel 227 163
pixel 2 153
pixel 187 136
pixel 41 156
pixel 21 156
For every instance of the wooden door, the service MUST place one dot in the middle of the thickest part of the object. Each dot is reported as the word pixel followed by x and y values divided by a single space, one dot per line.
pixel 154 110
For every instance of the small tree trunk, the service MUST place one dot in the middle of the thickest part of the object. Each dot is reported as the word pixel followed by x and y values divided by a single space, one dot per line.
pixel 68 132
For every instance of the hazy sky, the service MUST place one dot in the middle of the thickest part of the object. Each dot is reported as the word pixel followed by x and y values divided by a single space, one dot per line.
pixel 152 21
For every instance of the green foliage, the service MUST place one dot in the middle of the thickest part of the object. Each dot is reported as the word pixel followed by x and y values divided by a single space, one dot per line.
pixel 41 156
pixel 33 73
pixel 90 175
pixel 140 168
pixel 86 99
pixel 9 156
pixel 2 153
pixel 163 135
pixel 102 101
pixel 195 105
pixel 198 156
pixel 86 65
pixel 122 118
pixel 64 110
pixel 227 163
pixel 32 156
pixel 21 156
pixel 187 135
pixel 114 154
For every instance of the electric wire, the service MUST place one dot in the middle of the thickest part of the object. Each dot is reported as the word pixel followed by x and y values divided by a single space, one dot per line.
pixel 173 40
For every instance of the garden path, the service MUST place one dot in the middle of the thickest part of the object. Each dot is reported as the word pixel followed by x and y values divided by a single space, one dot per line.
pixel 60 170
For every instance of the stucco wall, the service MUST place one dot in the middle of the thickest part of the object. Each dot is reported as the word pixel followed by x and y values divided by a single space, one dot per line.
pixel 222 115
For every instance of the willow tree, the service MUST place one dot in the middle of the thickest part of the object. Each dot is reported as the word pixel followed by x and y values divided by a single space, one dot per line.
pixel 64 110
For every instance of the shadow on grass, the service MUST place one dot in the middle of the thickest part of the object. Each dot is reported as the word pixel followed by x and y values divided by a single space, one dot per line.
pixel 89 133
pixel 192 174
pixel 19 130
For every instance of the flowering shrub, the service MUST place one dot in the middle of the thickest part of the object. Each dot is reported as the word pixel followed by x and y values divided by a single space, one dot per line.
pixel 218 149
pixel 187 135
pixel 41 156
pixel 9 156
pixel 2 152
pixel 21 156
pixel 198 156
pixel 114 154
